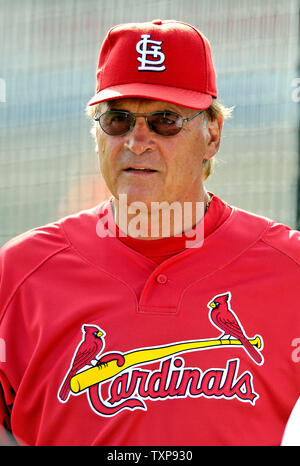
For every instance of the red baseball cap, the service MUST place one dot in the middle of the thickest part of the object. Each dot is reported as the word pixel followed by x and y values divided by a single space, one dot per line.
pixel 165 60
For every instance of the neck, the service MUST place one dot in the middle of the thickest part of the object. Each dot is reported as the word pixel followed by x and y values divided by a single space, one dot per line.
pixel 158 220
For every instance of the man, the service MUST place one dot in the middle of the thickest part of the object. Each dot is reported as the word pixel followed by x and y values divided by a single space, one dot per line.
pixel 163 316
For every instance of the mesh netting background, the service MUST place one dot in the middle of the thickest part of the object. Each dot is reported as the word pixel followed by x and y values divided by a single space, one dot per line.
pixel 48 54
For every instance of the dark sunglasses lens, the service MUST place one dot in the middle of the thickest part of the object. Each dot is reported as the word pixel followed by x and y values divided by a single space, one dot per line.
pixel 116 123
pixel 165 123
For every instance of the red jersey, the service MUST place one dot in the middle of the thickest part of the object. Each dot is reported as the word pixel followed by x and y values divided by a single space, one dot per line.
pixel 104 345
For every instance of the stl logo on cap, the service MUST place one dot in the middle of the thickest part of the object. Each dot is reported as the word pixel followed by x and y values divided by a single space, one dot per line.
pixel 146 60
pixel 154 50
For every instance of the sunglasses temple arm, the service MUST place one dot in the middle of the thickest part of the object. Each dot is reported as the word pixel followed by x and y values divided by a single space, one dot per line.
pixel 194 116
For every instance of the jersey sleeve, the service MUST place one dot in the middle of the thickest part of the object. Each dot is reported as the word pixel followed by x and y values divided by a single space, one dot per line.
pixel 19 258
pixel 6 391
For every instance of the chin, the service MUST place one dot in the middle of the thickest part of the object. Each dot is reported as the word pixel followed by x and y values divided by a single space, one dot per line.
pixel 131 196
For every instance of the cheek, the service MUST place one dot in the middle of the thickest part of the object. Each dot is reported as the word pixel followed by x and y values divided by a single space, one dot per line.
pixel 105 149
pixel 186 166
pixel 105 159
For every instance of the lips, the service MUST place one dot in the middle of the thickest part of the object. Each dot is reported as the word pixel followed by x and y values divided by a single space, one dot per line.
pixel 140 170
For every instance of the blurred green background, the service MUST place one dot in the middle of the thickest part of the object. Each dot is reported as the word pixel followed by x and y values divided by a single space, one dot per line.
pixel 48 57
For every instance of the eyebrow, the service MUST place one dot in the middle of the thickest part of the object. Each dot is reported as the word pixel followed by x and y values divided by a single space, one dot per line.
pixel 163 110
pixel 143 113
pixel 113 105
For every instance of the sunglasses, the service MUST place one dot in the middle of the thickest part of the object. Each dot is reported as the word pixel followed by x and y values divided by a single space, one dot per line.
pixel 164 123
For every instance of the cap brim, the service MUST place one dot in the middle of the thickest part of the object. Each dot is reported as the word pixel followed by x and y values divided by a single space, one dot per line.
pixel 174 95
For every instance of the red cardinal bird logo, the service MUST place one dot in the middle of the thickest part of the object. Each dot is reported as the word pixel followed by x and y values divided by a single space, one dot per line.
pixel 87 350
pixel 223 317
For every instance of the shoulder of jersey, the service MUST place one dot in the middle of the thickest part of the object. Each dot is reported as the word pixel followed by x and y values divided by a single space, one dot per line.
pixel 23 254
pixel 284 239
pixel 275 235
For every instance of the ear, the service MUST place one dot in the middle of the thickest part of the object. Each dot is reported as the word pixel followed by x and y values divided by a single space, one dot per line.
pixel 99 142
pixel 95 133
pixel 213 137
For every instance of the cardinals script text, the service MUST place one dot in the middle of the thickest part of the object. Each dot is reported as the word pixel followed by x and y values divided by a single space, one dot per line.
pixel 172 380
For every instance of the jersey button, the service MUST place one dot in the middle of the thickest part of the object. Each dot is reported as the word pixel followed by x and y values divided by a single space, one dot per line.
pixel 162 279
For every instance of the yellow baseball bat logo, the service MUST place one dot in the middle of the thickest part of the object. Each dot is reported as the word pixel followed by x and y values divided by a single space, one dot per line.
pixel 104 372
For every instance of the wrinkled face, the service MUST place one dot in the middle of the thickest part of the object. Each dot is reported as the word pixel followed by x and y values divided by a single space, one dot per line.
pixel 172 165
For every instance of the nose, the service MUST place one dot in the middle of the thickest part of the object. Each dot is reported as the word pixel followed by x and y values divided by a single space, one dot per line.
pixel 140 138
